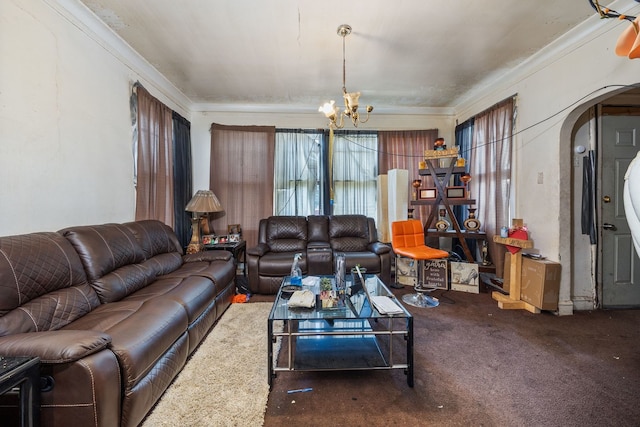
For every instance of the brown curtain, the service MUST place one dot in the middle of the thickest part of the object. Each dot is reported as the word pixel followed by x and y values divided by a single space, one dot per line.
pixel 242 176
pixel 403 150
pixel 490 169
pixel 154 187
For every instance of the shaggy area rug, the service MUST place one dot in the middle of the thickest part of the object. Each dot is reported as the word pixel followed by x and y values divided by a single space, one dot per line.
pixel 225 381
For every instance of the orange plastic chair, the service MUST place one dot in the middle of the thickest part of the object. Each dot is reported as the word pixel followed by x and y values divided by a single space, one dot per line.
pixel 407 240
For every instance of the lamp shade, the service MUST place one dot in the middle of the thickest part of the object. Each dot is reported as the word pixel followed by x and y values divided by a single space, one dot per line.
pixel 204 201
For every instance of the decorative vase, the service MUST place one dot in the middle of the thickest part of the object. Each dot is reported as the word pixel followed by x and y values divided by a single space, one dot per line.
pixel 471 223
pixel 416 183
pixel 442 224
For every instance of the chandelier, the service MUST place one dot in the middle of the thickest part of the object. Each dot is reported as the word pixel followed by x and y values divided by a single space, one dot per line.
pixel 330 109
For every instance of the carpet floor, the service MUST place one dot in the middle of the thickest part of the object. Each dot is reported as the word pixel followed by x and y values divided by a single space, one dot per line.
pixel 225 381
pixel 476 364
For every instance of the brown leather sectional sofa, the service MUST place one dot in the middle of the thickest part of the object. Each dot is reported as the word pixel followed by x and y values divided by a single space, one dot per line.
pixel 318 238
pixel 113 311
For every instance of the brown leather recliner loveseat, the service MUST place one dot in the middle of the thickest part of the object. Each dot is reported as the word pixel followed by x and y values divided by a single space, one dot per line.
pixel 113 311
pixel 318 238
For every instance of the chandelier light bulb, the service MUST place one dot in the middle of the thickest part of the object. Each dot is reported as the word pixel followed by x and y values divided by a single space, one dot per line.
pixel 350 98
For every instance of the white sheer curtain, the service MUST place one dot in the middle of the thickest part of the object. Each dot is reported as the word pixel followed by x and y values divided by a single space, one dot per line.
pixel 297 189
pixel 355 171
pixel 490 170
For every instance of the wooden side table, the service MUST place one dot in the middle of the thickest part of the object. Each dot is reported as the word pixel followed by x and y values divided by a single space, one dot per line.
pixel 513 301
pixel 236 249
pixel 23 373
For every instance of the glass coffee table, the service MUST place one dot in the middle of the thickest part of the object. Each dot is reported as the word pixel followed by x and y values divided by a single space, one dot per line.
pixel 350 335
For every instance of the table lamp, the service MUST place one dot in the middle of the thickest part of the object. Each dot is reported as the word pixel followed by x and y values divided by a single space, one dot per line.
pixel 203 202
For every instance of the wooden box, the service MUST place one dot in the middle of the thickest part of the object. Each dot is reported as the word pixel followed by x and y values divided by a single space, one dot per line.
pixel 540 285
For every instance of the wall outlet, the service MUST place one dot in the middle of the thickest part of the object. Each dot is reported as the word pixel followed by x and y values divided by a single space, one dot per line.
pixel 540 177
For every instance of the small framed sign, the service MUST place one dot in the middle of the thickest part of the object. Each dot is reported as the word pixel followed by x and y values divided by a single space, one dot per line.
pixel 427 194
pixel 456 192
pixel 435 273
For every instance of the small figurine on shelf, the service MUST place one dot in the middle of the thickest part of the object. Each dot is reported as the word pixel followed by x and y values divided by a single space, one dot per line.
pixel 485 253
pixel 439 144
pixel 416 185
pixel 442 224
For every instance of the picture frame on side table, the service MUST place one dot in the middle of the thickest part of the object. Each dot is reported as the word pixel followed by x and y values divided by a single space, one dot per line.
pixel 234 238
pixel 209 239
pixel 234 229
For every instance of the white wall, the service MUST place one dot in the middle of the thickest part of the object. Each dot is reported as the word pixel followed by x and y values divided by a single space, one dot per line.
pixel 552 92
pixel 201 137
pixel 65 137
pixel 65 133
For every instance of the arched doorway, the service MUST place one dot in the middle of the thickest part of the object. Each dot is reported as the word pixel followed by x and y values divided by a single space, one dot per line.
pixel 603 266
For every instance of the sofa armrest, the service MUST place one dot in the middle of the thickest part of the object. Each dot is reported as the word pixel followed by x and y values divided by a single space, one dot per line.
pixel 379 248
pixel 259 250
pixel 55 346
pixel 208 256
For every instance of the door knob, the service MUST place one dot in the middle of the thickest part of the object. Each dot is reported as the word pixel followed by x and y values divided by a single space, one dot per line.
pixel 606 199
pixel 608 226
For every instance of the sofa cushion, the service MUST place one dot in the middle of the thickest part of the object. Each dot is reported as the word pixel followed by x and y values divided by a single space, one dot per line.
pixel 104 248
pixel 55 346
pixel 141 332
pixel 194 293
pixel 279 264
pixel 42 284
pixel 349 233
pixel 219 272
pixel 318 228
pixel 155 237
pixel 112 258
pixel 123 281
pixel 286 233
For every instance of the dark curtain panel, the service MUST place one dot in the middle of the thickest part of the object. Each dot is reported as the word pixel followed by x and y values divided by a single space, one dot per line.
pixel 464 140
pixel 588 219
pixel 182 174
pixel 242 176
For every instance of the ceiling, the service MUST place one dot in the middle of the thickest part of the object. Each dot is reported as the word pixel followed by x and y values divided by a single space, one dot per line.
pixel 402 54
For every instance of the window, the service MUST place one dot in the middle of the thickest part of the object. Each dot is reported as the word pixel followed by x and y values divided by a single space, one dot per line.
pixel 297 168
pixel 355 171
pixel 302 178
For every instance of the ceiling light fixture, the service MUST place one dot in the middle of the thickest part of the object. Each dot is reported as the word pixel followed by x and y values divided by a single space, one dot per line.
pixel 330 109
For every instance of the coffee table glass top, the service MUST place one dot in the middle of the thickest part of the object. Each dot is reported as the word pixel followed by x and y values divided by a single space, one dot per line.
pixel 356 306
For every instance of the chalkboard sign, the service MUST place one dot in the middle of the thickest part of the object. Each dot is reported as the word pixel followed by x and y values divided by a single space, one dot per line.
pixel 435 274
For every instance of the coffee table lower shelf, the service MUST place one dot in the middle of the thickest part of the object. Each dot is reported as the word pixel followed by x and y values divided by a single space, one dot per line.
pixel 343 345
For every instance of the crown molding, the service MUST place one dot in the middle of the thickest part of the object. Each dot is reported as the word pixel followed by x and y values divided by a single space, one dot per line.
pixel 306 109
pixel 89 24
